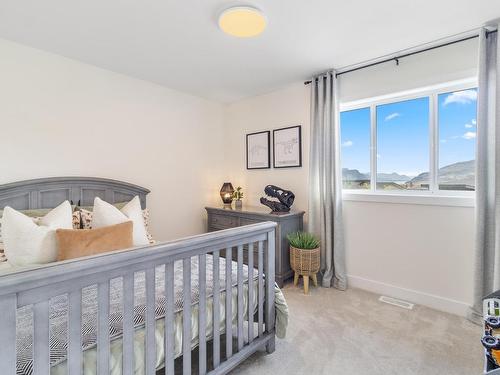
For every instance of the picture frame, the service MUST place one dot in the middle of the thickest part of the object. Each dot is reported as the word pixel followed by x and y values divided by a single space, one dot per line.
pixel 287 147
pixel 258 147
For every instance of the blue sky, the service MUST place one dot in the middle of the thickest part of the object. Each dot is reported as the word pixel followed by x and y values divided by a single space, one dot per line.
pixel 403 134
pixel 355 139
pixel 457 126
pixel 403 137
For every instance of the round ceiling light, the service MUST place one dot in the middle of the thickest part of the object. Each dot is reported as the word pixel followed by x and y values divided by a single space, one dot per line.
pixel 242 21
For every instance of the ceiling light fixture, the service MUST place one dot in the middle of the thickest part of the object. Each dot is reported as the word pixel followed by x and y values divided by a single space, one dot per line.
pixel 242 21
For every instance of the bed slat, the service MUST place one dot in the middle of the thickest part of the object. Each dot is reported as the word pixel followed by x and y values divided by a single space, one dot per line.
pixel 128 324
pixel 260 312
pixel 202 315
pixel 169 319
pixel 8 305
pixel 229 303
pixel 103 330
pixel 41 365
pixel 75 333
pixel 186 316
pixel 44 284
pixel 216 308
pixel 150 322
pixel 270 308
pixel 250 292
pixel 240 298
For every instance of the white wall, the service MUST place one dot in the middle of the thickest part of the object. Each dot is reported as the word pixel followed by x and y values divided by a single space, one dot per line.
pixel 441 65
pixel 59 117
pixel 421 253
pixel 283 108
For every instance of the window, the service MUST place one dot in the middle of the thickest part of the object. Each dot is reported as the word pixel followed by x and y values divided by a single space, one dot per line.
pixel 457 140
pixel 403 145
pixel 355 144
pixel 423 143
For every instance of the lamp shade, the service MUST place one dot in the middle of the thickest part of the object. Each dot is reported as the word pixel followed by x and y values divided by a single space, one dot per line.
pixel 226 193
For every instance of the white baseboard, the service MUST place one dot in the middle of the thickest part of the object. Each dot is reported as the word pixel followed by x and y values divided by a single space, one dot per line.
pixel 425 299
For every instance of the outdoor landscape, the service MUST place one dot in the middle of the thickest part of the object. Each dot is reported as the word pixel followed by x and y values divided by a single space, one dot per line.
pixel 456 176
pixel 403 149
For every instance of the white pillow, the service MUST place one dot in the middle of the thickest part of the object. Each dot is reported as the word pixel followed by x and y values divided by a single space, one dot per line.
pixel 26 242
pixel 105 214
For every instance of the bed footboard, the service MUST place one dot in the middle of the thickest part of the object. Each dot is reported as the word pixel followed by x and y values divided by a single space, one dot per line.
pixel 39 286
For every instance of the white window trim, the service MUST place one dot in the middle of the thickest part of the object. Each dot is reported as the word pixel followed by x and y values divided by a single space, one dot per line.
pixel 409 198
pixel 433 196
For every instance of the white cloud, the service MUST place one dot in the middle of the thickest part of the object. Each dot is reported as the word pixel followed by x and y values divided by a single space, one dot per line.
pixel 469 135
pixel 392 116
pixel 347 144
pixel 472 124
pixel 379 156
pixel 461 97
pixel 443 141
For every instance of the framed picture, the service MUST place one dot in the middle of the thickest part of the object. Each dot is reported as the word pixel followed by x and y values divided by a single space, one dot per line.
pixel 287 147
pixel 259 150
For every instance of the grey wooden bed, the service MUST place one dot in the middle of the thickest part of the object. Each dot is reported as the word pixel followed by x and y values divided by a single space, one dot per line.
pixel 39 286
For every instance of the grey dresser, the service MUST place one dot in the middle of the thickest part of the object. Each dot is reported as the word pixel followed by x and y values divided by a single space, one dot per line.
pixel 224 218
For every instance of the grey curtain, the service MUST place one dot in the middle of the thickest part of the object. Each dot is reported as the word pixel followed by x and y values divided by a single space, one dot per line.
pixel 325 180
pixel 487 257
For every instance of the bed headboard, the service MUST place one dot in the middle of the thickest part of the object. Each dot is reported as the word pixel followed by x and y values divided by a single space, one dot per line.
pixel 50 192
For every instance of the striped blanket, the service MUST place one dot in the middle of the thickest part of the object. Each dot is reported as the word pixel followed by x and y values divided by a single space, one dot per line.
pixel 59 311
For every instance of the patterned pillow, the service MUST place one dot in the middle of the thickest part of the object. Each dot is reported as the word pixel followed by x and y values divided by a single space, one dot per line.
pixel 86 221
pixel 85 218
pixel 76 220
pixel 2 254
pixel 145 216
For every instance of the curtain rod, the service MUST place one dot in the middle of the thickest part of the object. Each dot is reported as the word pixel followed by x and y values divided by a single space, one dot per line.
pixel 397 58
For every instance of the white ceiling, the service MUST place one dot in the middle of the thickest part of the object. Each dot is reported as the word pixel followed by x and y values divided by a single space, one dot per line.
pixel 176 43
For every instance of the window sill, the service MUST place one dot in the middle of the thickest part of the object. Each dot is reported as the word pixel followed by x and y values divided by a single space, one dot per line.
pixel 427 200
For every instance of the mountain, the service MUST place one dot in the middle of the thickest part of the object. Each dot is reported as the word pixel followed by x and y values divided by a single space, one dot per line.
pixel 353 175
pixel 392 177
pixel 461 173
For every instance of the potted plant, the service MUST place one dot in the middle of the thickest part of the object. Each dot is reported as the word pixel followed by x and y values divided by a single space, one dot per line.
pixel 304 257
pixel 237 195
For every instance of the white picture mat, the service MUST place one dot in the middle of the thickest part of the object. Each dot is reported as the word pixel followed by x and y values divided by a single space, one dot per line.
pixel 287 148
pixel 258 150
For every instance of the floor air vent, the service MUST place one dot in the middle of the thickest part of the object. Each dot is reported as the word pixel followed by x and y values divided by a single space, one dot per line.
pixel 396 302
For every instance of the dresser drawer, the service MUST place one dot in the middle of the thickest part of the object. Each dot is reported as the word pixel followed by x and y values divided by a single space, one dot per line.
pixel 244 221
pixel 224 218
pixel 222 222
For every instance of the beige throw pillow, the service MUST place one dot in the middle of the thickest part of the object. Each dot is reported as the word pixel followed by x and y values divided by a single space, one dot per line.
pixel 77 243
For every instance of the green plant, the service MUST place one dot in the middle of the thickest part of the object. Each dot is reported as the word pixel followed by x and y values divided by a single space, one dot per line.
pixel 303 240
pixel 238 194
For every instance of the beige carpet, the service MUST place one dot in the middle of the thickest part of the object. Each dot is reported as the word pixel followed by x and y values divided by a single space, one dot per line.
pixel 351 333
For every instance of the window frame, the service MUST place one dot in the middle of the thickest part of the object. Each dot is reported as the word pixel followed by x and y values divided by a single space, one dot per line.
pixel 433 196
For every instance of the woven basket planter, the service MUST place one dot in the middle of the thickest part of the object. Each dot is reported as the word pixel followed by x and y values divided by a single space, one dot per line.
pixel 304 262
